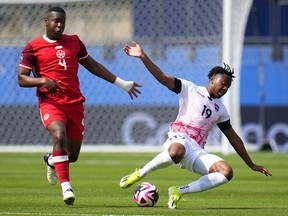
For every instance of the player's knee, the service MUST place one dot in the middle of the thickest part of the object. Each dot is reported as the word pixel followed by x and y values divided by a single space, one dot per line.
pixel 59 143
pixel 59 139
pixel 176 152
pixel 58 133
pixel 223 168
pixel 228 173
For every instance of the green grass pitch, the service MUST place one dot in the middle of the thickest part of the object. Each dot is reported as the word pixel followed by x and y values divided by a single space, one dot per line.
pixel 95 177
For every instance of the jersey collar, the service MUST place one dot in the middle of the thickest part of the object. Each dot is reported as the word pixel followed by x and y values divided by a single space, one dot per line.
pixel 48 40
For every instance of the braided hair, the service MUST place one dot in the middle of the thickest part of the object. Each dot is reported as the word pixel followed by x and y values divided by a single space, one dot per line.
pixel 222 70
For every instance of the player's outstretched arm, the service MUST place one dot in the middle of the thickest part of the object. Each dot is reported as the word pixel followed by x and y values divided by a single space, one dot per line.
pixel 239 147
pixel 99 70
pixel 135 50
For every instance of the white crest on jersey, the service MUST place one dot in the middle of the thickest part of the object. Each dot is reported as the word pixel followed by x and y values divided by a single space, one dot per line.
pixel 60 54
pixel 46 117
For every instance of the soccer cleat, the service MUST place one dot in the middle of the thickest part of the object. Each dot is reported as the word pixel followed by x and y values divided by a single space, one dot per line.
pixel 69 197
pixel 51 172
pixel 174 197
pixel 130 179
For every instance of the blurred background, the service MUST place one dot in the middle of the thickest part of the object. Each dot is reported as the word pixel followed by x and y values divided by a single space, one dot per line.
pixel 184 38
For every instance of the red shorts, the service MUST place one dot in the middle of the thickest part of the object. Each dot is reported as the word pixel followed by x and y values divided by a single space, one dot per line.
pixel 71 114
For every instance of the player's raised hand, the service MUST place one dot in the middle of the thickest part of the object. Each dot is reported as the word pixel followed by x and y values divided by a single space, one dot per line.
pixel 134 50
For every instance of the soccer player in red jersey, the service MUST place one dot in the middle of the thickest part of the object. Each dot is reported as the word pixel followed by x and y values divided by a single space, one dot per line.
pixel 54 60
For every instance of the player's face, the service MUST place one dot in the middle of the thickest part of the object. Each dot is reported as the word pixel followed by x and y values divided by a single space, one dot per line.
pixel 55 25
pixel 219 85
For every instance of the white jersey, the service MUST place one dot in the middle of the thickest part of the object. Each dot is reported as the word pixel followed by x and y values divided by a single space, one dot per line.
pixel 198 112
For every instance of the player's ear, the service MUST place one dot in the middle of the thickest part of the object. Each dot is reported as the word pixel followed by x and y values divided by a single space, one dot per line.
pixel 212 79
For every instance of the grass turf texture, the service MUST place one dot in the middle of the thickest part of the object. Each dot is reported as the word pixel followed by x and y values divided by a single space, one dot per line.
pixel 95 178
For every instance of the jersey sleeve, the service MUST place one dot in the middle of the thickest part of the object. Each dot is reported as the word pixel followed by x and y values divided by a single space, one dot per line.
pixel 181 85
pixel 83 51
pixel 224 118
pixel 27 57
pixel 224 125
pixel 178 86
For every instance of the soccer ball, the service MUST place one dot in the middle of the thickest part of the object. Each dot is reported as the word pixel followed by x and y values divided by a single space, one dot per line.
pixel 146 194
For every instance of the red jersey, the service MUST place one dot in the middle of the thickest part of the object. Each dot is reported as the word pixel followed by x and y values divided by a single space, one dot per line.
pixel 56 60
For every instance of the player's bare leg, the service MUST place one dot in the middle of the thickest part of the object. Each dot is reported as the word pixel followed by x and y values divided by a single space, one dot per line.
pixel 57 130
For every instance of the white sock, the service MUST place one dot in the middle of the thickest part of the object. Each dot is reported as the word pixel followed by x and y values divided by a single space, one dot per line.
pixel 65 186
pixel 206 182
pixel 162 160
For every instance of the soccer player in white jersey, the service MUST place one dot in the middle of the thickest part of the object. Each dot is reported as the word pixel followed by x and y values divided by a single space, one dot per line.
pixel 199 109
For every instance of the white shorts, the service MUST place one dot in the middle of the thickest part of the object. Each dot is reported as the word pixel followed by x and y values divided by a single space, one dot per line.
pixel 196 159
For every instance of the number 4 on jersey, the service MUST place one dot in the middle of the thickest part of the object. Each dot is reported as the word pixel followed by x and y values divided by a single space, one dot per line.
pixel 62 62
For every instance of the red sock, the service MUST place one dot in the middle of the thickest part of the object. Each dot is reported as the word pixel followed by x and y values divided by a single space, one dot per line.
pixel 61 163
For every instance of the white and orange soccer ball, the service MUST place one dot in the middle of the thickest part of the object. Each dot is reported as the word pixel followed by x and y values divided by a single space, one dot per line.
pixel 146 194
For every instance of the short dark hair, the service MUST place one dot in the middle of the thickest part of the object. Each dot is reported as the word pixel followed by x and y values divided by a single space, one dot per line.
pixel 56 9
pixel 226 69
